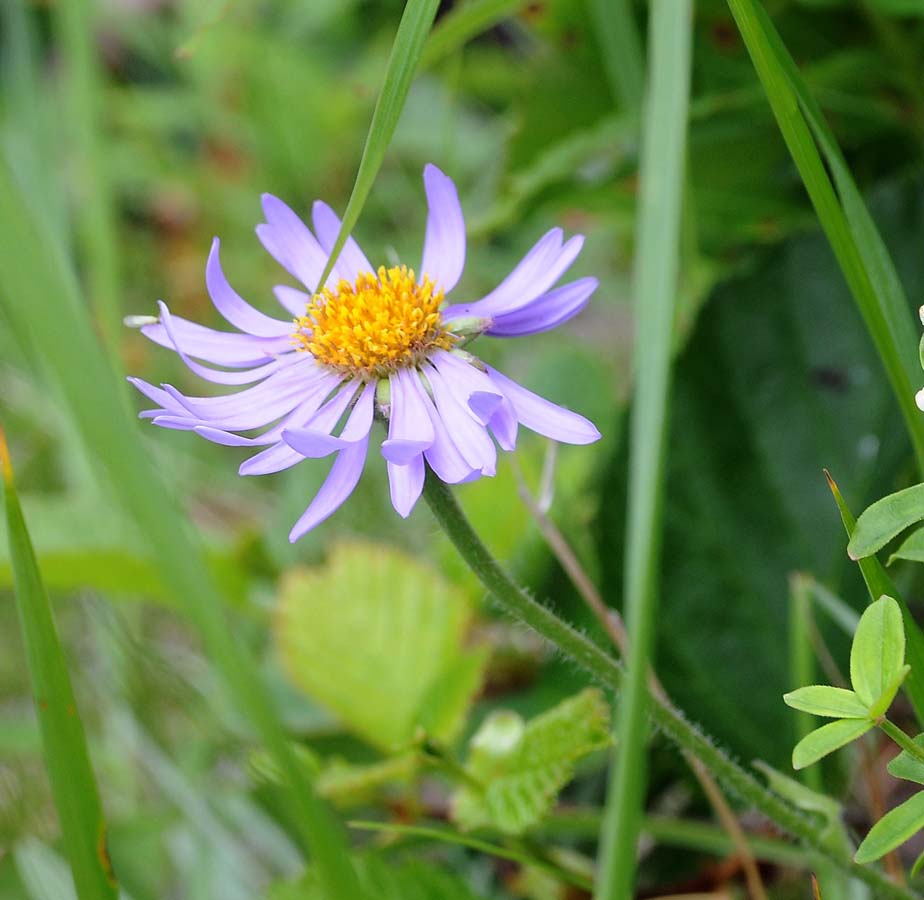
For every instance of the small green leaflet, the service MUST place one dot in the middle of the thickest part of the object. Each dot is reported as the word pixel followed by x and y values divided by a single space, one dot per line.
pixel 892 830
pixel 906 766
pixel 824 700
pixel 822 741
pixel 877 655
pixel 885 519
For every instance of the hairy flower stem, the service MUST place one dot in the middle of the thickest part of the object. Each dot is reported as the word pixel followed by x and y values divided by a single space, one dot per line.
pixel 610 674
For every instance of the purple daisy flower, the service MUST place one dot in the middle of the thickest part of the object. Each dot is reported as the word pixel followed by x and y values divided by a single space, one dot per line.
pixel 370 340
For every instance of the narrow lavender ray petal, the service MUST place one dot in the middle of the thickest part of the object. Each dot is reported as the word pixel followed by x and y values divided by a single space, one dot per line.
pixel 405 484
pixel 260 410
pixel 315 439
pixel 519 281
pixel 352 261
pixel 234 309
pixel 504 426
pixel 361 417
pixel 444 242
pixel 217 376
pixel 443 455
pixel 343 478
pixel 299 416
pixel 410 430
pixel 543 416
pixel 274 459
pixel 468 435
pixel 290 242
pixel 157 395
pixel 546 312
pixel 471 387
pixel 221 348
pixel 292 299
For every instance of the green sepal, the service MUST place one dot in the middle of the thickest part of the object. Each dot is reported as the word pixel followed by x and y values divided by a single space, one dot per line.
pixel 824 700
pixel 822 741
pixel 892 830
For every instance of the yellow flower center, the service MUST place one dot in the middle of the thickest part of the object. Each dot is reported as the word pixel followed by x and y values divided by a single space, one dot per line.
pixel 381 323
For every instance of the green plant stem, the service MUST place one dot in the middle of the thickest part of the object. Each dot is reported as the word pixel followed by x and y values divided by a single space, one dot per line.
pixel 657 264
pixel 802 661
pixel 611 675
pixel 902 739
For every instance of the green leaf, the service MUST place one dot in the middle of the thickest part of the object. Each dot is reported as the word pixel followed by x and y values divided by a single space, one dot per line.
pixel 878 651
pixel 827 739
pixel 405 55
pixel 886 518
pixel 911 548
pixel 918 866
pixel 63 740
pixel 879 583
pixel 521 767
pixel 377 638
pixel 906 766
pixel 464 22
pixel 822 700
pixel 888 695
pixel 800 795
pixel 892 830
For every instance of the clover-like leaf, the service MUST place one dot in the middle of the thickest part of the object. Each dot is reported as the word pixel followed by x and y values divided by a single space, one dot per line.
pixel 906 766
pixel 824 700
pixel 822 741
pixel 379 639
pixel 878 650
pixel 518 768
pixel 892 830
pixel 884 519
pixel 888 695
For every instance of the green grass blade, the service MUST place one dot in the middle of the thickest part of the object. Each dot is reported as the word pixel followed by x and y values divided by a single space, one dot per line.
pixel 93 207
pixel 63 740
pixel 657 267
pixel 878 583
pixel 802 659
pixel 41 298
pixel 464 22
pixel 868 271
pixel 621 51
pixel 405 55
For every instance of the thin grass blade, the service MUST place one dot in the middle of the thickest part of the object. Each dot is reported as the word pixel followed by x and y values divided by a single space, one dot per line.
pixel 64 742
pixel 621 49
pixel 657 266
pixel 463 23
pixel 867 269
pixel 402 64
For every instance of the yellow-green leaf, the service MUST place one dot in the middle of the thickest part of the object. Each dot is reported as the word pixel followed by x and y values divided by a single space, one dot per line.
pixel 822 741
pixel 892 830
pixel 824 700
pixel 878 650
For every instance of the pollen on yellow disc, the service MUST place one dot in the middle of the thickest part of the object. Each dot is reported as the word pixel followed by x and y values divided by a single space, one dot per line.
pixel 382 322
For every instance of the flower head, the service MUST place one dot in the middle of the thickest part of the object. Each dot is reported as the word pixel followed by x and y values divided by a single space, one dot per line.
pixel 318 378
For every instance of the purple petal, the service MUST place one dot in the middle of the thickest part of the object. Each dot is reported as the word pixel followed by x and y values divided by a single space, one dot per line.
pixel 545 312
pixel 343 478
pixel 468 435
pixel 471 387
pixel 504 426
pixel 290 242
pixel 295 301
pixel 217 376
pixel 410 430
pixel 444 243
pixel 274 459
pixel 233 307
pixel 443 455
pixel 222 348
pixel 352 261
pixel 168 405
pixel 543 416
pixel 405 484
pixel 316 440
pixel 534 275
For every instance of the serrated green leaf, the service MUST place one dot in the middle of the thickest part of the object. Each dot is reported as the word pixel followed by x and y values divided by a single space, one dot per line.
pixel 827 739
pixel 906 766
pixel 878 650
pixel 892 830
pixel 521 767
pixel 886 518
pixel 377 638
pixel 824 700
